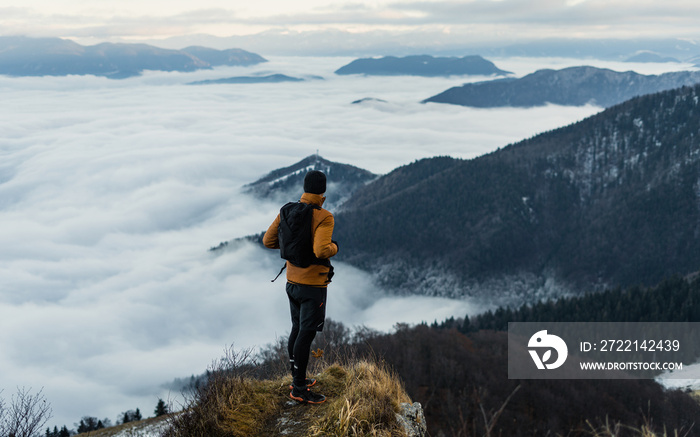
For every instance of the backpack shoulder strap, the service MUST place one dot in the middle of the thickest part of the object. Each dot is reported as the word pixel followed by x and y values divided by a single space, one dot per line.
pixel 281 270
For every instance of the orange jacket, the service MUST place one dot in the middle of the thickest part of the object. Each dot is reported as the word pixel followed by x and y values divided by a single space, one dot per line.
pixel 322 225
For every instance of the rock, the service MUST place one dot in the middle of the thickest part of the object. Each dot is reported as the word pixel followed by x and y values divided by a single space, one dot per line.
pixel 412 420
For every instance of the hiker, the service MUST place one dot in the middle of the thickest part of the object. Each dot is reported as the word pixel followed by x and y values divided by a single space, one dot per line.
pixel 302 231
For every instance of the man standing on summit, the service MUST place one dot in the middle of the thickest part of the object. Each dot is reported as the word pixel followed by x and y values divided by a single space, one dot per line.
pixel 303 231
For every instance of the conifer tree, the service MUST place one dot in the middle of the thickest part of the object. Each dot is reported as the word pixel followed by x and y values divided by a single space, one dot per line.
pixel 161 408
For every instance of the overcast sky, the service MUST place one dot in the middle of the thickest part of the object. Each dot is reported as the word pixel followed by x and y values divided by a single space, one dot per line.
pixel 472 20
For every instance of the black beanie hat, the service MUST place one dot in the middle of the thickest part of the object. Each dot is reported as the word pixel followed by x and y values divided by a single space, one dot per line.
pixel 315 182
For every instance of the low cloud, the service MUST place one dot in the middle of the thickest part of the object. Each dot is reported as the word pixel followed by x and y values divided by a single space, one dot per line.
pixel 112 192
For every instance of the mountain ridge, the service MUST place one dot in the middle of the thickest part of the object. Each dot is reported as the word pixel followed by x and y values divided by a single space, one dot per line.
pixel 573 86
pixel 271 78
pixel 611 200
pixel 25 56
pixel 286 184
pixel 422 65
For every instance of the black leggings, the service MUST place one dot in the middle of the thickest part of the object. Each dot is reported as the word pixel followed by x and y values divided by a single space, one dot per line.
pixel 308 310
pixel 299 348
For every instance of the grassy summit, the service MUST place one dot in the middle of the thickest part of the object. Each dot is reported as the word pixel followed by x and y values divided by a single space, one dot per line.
pixel 362 400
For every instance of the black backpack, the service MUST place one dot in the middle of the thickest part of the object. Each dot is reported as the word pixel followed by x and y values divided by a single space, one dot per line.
pixel 295 235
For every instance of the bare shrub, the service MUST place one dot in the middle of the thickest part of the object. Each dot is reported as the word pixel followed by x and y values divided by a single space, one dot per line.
pixel 26 414
pixel 229 403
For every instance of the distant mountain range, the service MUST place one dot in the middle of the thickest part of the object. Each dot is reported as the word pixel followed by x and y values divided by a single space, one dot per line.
pixel 596 48
pixel 646 56
pixel 24 56
pixel 422 66
pixel 286 184
pixel 333 42
pixel 611 200
pixel 368 100
pixel 272 78
pixel 574 86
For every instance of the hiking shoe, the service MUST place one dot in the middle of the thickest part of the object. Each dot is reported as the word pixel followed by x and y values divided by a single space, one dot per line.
pixel 309 383
pixel 306 396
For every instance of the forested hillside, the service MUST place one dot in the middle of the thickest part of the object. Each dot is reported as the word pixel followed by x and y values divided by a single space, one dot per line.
pixel 611 200
pixel 674 300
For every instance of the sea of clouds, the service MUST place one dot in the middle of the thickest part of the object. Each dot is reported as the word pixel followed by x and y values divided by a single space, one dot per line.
pixel 112 192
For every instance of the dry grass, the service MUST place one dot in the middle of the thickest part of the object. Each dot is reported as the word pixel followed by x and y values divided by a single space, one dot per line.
pixel 367 405
pixel 362 399
pixel 616 429
pixel 229 406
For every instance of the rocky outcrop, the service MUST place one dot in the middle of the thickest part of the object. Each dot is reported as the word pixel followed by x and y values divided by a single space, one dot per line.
pixel 412 420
